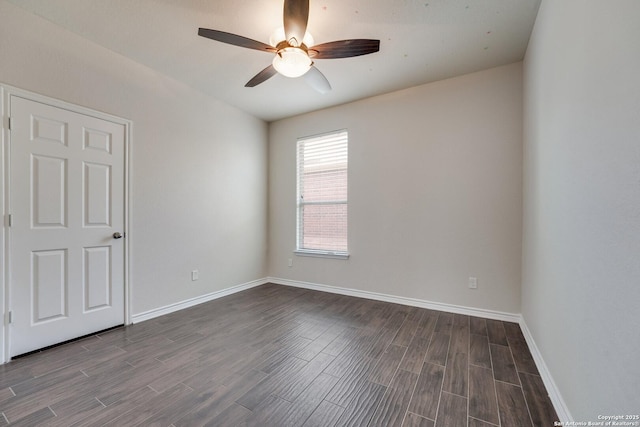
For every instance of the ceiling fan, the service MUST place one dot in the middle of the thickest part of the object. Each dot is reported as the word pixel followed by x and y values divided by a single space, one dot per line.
pixel 292 47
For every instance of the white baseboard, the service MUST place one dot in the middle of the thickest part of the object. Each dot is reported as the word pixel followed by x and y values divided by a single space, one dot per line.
pixel 554 393
pixel 414 302
pixel 161 311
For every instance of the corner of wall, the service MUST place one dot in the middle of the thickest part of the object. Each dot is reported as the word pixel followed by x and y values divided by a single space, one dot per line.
pixel 554 392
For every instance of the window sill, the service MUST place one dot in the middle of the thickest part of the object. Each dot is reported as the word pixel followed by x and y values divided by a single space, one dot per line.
pixel 322 254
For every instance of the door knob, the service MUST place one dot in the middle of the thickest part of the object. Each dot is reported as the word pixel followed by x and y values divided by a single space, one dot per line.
pixel 117 235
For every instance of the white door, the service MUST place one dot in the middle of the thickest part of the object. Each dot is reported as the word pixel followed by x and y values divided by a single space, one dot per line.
pixel 66 202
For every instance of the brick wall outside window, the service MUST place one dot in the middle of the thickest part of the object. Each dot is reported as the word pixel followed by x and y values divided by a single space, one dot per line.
pixel 325 226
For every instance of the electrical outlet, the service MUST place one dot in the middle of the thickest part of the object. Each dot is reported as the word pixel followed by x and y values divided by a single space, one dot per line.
pixel 290 262
pixel 473 283
pixel 194 275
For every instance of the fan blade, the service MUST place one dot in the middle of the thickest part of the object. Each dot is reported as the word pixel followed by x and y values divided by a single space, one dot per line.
pixel 317 80
pixel 262 76
pixel 344 48
pixel 235 40
pixel 295 17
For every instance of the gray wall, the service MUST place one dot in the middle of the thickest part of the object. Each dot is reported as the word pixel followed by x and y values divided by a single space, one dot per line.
pixel 435 183
pixel 581 250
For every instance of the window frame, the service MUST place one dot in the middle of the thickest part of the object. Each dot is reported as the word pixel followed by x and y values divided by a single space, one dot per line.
pixel 301 203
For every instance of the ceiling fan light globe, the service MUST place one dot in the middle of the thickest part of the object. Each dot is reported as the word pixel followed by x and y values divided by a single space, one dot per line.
pixel 292 62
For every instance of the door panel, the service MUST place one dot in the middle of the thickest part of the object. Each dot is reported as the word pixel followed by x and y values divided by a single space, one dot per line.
pixel 67 201
pixel 49 192
pixel 49 285
pixel 95 139
pixel 47 130
pixel 97 278
pixel 97 195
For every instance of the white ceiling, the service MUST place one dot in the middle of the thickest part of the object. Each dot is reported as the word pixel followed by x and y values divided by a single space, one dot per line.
pixel 420 41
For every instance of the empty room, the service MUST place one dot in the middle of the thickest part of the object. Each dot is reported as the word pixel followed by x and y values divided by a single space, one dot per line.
pixel 306 213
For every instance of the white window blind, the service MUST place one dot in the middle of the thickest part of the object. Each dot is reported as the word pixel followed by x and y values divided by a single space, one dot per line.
pixel 322 194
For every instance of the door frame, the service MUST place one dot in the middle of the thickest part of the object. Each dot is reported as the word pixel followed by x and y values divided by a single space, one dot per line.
pixel 6 91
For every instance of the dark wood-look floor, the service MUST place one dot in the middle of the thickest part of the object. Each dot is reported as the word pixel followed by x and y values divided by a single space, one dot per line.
pixel 281 356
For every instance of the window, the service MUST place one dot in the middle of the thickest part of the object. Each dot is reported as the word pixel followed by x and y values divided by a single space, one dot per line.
pixel 322 195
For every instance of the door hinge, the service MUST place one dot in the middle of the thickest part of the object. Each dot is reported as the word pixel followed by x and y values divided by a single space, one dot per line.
pixel 10 317
pixel 9 220
pixel 9 123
